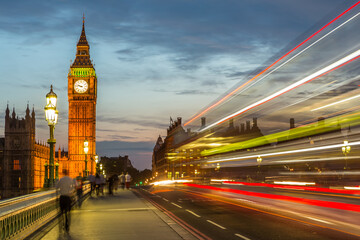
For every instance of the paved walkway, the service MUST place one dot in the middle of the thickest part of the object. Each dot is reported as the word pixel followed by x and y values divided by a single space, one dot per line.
pixel 122 216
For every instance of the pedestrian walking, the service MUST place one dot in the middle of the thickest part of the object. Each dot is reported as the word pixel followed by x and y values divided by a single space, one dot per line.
pixel 111 183
pixel 103 183
pixel 122 180
pixel 127 180
pixel 97 184
pixel 91 179
pixel 116 182
pixel 66 190
pixel 79 189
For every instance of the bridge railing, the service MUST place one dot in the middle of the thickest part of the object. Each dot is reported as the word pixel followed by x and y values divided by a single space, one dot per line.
pixel 21 216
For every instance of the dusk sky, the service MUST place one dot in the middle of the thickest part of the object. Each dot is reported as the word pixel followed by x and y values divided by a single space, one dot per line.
pixel 153 59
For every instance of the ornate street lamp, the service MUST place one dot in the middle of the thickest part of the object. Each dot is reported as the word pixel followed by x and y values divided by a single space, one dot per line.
pixel 51 116
pixel 86 150
pixel 346 150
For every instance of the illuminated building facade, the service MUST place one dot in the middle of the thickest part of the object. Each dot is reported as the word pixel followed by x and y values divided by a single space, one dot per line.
pixel 82 93
pixel 166 163
pixel 22 159
pixel 179 154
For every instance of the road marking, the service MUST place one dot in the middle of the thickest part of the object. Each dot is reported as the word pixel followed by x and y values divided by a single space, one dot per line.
pixel 271 213
pixel 176 205
pixel 241 236
pixel 319 220
pixel 244 200
pixel 165 199
pixel 216 224
pixel 193 213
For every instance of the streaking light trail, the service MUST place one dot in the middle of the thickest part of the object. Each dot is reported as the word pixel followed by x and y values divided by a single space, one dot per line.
pixel 309 78
pixel 332 104
pixel 301 187
pixel 320 203
pixel 285 152
pixel 253 78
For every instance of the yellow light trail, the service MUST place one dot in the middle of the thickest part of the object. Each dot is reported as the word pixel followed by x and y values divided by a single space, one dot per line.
pixel 285 152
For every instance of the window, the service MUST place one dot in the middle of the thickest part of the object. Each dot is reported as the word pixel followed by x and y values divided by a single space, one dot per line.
pixel 17 165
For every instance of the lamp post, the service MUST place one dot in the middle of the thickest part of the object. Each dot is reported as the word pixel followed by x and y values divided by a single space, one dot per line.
pixel 86 150
pixel 51 116
pixel 56 171
pixel 46 177
pixel 96 163
pixel 346 150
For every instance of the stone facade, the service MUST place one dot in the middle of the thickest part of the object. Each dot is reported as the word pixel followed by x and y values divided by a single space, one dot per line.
pixel 22 159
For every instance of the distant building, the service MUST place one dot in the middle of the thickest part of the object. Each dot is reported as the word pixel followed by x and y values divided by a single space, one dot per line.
pixel 179 154
pixel 116 165
pixel 163 160
pixel 22 159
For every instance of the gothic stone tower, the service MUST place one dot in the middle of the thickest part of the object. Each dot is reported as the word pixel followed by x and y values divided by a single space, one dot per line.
pixel 19 154
pixel 82 91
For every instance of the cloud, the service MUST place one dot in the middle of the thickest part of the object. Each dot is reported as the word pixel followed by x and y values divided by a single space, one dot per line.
pixel 187 92
pixel 194 92
pixel 240 74
pixel 141 121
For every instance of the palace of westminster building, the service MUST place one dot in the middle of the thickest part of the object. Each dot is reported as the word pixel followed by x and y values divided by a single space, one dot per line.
pixel 23 159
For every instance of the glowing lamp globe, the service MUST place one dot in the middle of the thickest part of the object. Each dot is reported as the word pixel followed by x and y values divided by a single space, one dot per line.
pixel 86 146
pixel 51 98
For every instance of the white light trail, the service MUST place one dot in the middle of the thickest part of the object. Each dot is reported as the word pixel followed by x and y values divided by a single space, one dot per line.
pixel 319 220
pixel 295 183
pixel 166 182
pixel 220 180
pixel 311 45
pixel 285 152
pixel 288 88
pixel 314 159
pixel 332 104
pixel 350 19
pixel 352 188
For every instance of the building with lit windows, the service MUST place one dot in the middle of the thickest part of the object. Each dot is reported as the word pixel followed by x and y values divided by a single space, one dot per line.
pixel 23 160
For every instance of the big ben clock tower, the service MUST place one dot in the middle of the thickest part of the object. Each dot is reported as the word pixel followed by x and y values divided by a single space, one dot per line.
pixel 82 91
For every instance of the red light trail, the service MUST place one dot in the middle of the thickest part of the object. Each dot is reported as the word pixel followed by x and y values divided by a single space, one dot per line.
pixel 257 75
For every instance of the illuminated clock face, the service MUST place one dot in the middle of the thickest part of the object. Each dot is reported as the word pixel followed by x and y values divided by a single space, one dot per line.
pixel 81 86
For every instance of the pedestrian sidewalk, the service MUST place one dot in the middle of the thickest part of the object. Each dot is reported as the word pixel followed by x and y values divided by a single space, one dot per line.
pixel 121 216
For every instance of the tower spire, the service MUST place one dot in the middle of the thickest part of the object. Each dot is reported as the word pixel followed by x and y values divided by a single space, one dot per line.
pixel 82 40
pixel 82 50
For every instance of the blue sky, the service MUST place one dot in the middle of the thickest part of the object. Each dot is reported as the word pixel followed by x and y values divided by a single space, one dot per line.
pixel 154 59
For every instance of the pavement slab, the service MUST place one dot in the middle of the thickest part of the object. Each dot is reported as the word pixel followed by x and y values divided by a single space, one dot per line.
pixel 119 216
